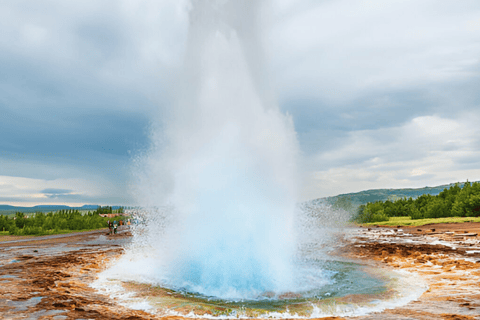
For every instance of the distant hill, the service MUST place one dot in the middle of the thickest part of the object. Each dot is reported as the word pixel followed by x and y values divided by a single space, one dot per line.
pixel 7 209
pixel 90 207
pixel 352 200
pixel 358 198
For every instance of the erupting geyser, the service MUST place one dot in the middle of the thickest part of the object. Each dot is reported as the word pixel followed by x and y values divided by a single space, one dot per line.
pixel 219 186
pixel 224 177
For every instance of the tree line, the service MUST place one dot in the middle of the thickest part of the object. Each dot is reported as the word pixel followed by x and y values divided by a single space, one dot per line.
pixel 452 202
pixel 55 222
pixel 109 209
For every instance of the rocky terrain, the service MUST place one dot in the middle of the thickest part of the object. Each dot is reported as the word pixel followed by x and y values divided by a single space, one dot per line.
pixel 49 277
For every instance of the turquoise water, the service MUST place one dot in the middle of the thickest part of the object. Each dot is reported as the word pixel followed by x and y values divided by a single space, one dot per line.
pixel 340 279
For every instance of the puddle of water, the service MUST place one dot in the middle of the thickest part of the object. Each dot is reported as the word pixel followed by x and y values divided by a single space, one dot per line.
pixel 25 304
pixel 8 276
pixel 44 313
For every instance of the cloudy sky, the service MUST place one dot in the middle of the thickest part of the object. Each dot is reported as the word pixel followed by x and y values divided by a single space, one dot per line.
pixel 383 94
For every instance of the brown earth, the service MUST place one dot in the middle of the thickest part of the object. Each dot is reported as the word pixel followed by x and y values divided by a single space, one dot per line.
pixel 465 227
pixel 447 258
pixel 48 278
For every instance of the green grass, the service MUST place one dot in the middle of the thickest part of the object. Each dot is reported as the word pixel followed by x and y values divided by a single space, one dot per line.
pixel 407 221
pixel 74 231
pixel 50 232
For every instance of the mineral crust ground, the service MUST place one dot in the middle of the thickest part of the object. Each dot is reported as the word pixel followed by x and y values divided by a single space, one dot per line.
pixel 49 277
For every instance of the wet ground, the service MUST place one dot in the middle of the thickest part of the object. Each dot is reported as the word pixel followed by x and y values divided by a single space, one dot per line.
pixel 49 277
pixel 446 256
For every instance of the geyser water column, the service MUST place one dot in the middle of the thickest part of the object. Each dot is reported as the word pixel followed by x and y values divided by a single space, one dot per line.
pixel 227 166
pixel 219 190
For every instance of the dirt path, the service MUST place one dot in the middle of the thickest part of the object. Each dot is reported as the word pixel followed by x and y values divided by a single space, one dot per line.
pixel 7 241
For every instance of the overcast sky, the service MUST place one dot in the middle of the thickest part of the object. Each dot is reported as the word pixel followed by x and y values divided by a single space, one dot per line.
pixel 383 94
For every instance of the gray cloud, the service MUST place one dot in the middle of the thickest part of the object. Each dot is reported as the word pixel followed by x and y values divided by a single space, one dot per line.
pixel 421 177
pixel 56 191
pixel 365 82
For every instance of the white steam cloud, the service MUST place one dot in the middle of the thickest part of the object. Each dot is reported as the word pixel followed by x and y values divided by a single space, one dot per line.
pixel 222 170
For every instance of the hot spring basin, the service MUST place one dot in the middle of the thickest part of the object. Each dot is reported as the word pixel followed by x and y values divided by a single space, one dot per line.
pixel 350 289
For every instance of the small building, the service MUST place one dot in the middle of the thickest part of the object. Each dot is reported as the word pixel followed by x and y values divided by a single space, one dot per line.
pixel 109 215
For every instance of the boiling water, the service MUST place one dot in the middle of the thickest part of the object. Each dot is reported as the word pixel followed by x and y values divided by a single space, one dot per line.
pixel 322 284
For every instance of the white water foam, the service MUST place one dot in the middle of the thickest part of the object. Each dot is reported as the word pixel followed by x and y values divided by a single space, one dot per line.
pixel 407 287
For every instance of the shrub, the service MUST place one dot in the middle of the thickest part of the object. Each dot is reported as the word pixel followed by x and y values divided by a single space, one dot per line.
pixel 379 217
pixel 54 222
pixel 370 213
pixel 416 214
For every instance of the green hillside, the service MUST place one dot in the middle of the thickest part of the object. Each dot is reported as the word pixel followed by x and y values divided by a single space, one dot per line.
pixel 351 201
pixel 455 201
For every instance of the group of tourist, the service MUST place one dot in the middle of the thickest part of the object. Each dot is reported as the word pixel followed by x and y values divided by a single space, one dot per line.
pixel 112 225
